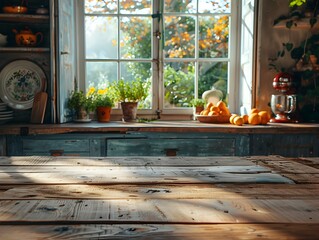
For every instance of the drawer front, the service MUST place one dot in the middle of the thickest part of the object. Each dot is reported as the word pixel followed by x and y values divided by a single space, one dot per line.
pixel 171 147
pixel 56 147
pixel 292 145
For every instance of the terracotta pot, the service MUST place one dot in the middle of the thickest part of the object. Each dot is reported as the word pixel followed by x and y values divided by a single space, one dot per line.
pixel 103 114
pixel 129 111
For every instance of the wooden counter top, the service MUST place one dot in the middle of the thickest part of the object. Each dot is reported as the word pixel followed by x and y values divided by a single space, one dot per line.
pixel 158 126
pixel 159 198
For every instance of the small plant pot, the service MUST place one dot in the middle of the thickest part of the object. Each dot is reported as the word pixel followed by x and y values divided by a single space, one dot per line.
pixel 129 111
pixel 103 114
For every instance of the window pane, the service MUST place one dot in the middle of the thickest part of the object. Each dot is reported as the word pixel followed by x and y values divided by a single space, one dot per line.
pixel 213 75
pixel 100 74
pixel 100 6
pixel 213 37
pixel 217 6
pixel 179 37
pixel 138 70
pixel 136 36
pixel 179 84
pixel 178 6
pixel 135 6
pixel 101 37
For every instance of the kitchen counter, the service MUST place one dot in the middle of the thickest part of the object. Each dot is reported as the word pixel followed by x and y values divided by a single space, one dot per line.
pixel 158 126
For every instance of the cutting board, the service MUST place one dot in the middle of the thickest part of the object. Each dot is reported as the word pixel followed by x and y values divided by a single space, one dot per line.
pixel 38 108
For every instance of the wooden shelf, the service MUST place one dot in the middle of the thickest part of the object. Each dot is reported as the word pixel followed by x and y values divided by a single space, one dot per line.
pixel 24 49
pixel 26 18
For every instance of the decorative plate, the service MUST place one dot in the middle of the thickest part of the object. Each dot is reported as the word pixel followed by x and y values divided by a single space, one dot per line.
pixel 213 119
pixel 19 81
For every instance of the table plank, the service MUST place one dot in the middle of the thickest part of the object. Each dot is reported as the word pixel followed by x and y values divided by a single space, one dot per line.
pixel 162 231
pixel 161 191
pixel 160 210
pixel 140 177
pixel 125 161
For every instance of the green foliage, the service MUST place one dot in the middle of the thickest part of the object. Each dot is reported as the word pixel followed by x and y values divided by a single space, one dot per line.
pixel 132 91
pixel 297 3
pixel 78 100
pixel 198 102
pixel 179 86
pixel 100 98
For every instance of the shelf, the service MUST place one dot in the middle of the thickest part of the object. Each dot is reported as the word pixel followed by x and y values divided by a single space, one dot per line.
pixel 24 49
pixel 25 18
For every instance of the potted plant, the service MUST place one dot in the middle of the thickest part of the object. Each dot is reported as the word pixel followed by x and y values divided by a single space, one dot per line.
pixel 129 93
pixel 102 102
pixel 198 105
pixel 80 104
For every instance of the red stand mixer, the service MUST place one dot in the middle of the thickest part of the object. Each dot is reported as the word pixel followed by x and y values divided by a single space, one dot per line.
pixel 285 103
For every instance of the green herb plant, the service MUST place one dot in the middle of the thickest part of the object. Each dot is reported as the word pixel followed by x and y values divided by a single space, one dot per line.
pixel 129 91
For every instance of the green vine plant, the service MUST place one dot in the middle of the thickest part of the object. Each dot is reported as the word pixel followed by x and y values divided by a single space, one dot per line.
pixel 292 21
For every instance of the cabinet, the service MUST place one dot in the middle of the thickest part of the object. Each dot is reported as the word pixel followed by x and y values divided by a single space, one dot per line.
pixel 56 145
pixel 174 144
pixel 40 54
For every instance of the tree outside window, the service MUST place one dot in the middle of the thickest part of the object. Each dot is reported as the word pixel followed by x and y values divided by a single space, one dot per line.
pixel 193 46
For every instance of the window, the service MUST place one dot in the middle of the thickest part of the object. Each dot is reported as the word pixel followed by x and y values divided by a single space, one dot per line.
pixel 182 47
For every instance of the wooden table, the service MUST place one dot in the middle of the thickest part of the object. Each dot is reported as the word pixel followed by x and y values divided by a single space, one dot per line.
pixel 159 198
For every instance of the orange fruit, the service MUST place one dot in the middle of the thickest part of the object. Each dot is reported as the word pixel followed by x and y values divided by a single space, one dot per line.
pixel 231 119
pixel 254 119
pixel 225 111
pixel 253 110
pixel 245 117
pixel 214 108
pixel 221 105
pixel 265 117
pixel 209 105
pixel 238 120
pixel 204 112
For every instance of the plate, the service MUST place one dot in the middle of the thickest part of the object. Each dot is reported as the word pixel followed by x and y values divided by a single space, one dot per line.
pixel 6 118
pixel 6 115
pixel 82 120
pixel 19 81
pixel 213 119
pixel 6 112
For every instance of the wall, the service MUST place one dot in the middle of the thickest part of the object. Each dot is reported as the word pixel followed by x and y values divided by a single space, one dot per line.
pixel 270 42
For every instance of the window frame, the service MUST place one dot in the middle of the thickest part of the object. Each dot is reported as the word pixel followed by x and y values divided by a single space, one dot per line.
pixel 158 62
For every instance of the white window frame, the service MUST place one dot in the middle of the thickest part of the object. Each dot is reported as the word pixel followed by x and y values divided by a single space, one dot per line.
pixel 234 69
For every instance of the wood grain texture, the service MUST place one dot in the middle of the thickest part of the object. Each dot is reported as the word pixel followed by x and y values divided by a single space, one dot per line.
pixel 161 231
pixel 257 197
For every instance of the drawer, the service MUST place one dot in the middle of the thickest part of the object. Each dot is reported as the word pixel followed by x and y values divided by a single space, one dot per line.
pixel 172 147
pixel 76 147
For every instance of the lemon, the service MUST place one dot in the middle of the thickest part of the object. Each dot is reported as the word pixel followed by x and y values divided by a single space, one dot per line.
pixel 238 120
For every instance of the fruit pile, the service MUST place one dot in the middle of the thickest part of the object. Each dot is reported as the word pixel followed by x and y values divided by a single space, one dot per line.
pixel 255 117
pixel 216 110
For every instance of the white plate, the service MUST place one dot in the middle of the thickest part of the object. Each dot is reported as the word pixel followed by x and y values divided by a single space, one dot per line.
pixel 20 81
pixel 6 112
pixel 6 118
pixel 6 115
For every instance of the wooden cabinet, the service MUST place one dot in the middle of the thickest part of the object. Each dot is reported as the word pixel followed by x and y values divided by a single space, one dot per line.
pixel 56 145
pixel 174 144
pixel 288 145
pixel 39 54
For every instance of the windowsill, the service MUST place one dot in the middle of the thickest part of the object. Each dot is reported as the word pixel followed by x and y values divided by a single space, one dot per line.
pixel 160 126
